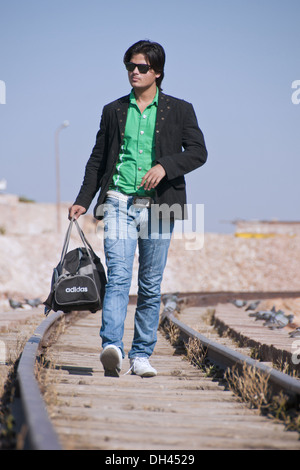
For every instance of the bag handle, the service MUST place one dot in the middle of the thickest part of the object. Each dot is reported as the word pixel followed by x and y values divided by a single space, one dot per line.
pixel 83 237
pixel 67 240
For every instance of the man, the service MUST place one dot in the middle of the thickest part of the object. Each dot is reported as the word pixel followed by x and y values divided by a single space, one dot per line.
pixel 147 141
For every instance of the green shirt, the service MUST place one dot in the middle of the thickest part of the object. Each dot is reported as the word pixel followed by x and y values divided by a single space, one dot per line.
pixel 137 154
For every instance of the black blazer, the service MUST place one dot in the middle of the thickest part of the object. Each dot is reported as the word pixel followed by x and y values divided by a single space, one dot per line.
pixel 180 148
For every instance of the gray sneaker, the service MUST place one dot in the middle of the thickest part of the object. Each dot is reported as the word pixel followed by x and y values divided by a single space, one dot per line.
pixel 111 358
pixel 141 366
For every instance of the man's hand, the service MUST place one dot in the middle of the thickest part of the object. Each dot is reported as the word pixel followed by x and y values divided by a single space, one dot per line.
pixel 76 211
pixel 153 177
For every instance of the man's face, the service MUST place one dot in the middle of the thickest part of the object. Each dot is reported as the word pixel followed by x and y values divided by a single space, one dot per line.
pixel 142 80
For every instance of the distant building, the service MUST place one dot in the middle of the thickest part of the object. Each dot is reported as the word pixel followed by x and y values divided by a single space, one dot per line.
pixel 266 228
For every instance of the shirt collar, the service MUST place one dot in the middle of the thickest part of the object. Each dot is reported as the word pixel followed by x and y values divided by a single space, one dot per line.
pixel 132 99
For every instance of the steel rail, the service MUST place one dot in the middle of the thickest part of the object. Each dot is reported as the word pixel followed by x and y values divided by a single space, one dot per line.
pixel 40 434
pixel 225 357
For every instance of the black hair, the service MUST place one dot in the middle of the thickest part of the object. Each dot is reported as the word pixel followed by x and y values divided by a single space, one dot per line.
pixel 155 54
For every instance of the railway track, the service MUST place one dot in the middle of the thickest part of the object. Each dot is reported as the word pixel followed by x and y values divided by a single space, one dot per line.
pixel 185 407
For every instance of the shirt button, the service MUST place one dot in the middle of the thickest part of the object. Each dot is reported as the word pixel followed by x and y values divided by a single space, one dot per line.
pixel 144 116
pixel 141 151
pixel 139 168
pixel 142 132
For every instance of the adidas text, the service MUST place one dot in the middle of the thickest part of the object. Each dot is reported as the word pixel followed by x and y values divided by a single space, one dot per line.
pixel 76 289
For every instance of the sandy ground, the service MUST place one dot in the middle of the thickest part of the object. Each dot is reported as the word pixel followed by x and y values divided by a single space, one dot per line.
pixel 30 248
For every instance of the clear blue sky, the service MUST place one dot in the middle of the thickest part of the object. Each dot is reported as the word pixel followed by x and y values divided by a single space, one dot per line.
pixel 235 60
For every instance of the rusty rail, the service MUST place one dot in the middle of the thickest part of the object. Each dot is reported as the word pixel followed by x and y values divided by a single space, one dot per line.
pixel 40 434
pixel 225 357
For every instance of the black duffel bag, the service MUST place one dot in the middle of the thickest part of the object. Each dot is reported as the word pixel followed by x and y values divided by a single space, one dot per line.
pixel 78 281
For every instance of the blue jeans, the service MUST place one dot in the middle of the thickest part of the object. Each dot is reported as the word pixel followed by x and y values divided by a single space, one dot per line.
pixel 125 226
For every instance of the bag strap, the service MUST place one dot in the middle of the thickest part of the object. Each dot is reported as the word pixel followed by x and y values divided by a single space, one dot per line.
pixel 66 242
pixel 87 246
pixel 83 237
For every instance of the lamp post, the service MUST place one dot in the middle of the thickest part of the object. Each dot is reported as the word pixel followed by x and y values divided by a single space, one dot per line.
pixel 62 126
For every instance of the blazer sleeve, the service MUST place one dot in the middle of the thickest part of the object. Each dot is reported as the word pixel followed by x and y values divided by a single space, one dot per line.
pixel 194 152
pixel 95 167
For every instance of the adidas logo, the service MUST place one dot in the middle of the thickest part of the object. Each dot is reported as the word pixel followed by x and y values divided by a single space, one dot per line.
pixel 76 289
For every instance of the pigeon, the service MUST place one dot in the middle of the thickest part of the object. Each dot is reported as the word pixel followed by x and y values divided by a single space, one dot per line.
pixel 279 320
pixel 15 303
pixel 273 318
pixel 33 302
pixel 253 305
pixel 170 302
pixel 263 314
pixel 239 303
pixel 295 333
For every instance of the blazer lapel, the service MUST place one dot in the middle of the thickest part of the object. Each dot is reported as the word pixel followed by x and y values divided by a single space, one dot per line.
pixel 121 112
pixel 163 108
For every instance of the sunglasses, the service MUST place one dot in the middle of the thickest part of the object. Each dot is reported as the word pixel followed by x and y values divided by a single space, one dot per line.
pixel 142 68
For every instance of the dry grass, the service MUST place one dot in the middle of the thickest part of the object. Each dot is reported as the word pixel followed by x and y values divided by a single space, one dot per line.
pixel 251 385
pixel 44 375
pixel 14 340
pixel 195 353
pixel 172 333
pixel 45 367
